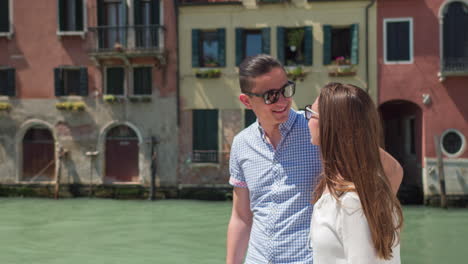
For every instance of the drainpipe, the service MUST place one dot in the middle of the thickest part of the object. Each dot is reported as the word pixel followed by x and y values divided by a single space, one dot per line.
pixel 367 45
pixel 176 11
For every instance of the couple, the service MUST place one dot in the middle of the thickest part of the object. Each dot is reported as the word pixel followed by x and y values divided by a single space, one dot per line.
pixel 279 176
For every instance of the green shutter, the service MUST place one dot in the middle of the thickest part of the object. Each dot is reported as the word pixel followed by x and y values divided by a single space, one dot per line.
pixel 280 44
pixel 221 47
pixel 61 14
pixel 355 44
pixel 195 48
pixel 137 12
pixel 205 129
pixel 327 35
pixel 58 81
pixel 79 15
pixel 155 12
pixel 266 40
pixel 308 46
pixel 239 46
pixel 84 81
pixel 11 91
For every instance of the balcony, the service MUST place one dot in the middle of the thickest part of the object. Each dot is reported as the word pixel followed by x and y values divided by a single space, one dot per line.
pixel 454 66
pixel 126 42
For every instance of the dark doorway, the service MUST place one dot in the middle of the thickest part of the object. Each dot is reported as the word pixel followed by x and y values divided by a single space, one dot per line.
pixel 402 123
pixel 121 155
pixel 38 155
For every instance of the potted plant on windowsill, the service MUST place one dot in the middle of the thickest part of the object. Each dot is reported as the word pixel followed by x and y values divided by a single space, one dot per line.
pixel 111 99
pixel 208 73
pixel 296 73
pixel 5 107
pixel 342 66
pixel 70 106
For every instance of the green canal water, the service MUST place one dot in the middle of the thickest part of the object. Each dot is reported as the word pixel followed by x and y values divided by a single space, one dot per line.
pixel 103 231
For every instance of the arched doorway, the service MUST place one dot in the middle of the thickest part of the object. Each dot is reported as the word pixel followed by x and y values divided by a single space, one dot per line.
pixel 402 123
pixel 38 155
pixel 121 155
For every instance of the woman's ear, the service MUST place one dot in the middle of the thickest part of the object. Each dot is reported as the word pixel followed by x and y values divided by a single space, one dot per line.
pixel 245 100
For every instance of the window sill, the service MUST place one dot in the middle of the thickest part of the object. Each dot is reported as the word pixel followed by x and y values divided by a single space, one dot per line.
pixel 208 73
pixel 140 98
pixel 205 165
pixel 341 70
pixel 81 34
pixel 111 99
pixel 8 35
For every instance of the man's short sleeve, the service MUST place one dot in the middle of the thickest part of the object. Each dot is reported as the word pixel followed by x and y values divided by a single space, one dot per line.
pixel 237 178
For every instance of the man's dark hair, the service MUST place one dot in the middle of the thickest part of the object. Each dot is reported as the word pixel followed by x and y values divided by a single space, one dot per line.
pixel 253 67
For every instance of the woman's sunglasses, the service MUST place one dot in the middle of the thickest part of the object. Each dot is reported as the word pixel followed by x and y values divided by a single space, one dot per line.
pixel 272 96
pixel 309 113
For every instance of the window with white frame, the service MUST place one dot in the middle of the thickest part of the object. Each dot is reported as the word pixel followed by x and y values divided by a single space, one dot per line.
pixel 455 37
pixel 398 40
pixel 5 17
pixel 115 81
pixel 71 14
pixel 71 81
pixel 341 44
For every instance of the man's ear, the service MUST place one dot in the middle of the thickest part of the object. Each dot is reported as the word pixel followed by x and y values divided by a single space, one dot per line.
pixel 245 100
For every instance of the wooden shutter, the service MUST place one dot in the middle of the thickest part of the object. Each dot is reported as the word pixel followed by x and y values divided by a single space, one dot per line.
pixel 58 81
pixel 205 129
pixel 280 44
pixel 327 38
pixel 221 32
pixel 308 46
pixel 79 15
pixel 142 81
pixel 195 48
pixel 355 44
pixel 239 46
pixel 266 40
pixel 84 81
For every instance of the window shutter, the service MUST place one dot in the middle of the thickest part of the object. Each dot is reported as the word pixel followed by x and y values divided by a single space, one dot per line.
pixel 239 46
pixel 137 12
pixel 79 15
pixel 205 129
pixel 58 81
pixel 221 47
pixel 308 46
pixel 266 40
pixel 355 44
pixel 4 16
pixel 84 81
pixel 11 91
pixel 280 44
pixel 61 14
pixel 195 48
pixel 155 20
pixel 327 44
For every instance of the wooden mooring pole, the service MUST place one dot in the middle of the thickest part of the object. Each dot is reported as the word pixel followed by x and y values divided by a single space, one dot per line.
pixel 58 160
pixel 440 167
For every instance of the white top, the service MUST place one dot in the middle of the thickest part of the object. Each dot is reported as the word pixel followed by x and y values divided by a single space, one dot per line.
pixel 340 233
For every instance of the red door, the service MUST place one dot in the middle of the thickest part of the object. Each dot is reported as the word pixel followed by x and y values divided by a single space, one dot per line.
pixel 38 155
pixel 121 155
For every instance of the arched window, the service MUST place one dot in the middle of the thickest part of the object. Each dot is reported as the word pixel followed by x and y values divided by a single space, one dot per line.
pixel 455 37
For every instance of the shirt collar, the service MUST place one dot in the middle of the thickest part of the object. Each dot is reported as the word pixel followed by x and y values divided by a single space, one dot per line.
pixel 284 127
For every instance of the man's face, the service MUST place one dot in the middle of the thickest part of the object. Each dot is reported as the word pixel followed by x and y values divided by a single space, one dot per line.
pixel 272 114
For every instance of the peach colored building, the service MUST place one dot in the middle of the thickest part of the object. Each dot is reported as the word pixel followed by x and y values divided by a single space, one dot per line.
pixel 423 91
pixel 95 79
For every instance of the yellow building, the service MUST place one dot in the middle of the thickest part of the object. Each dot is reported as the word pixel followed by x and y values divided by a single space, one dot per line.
pixel 318 41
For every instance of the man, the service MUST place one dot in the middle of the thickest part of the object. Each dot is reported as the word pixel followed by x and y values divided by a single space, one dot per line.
pixel 274 169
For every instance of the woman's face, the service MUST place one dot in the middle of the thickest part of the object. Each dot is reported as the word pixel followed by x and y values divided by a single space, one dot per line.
pixel 314 124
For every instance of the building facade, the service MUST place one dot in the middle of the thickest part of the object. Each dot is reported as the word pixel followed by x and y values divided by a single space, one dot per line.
pixel 88 92
pixel 423 81
pixel 317 41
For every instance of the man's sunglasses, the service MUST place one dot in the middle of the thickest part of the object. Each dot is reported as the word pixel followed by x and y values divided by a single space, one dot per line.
pixel 272 96
pixel 309 113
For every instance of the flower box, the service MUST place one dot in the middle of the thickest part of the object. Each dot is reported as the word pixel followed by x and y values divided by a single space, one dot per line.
pixel 71 106
pixel 341 67
pixel 5 107
pixel 208 73
pixel 111 99
pixel 296 73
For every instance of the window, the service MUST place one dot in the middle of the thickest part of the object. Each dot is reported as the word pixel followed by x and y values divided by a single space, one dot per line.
pixel 112 19
pixel 5 18
pixel 71 81
pixel 340 42
pixel 208 48
pixel 115 80
pixel 142 81
pixel 455 38
pixel 205 136
pixel 453 143
pixel 7 82
pixel 250 42
pixel 294 45
pixel 398 40
pixel 147 15
pixel 249 117
pixel 71 15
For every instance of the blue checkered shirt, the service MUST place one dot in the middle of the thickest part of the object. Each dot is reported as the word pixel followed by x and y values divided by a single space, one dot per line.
pixel 280 183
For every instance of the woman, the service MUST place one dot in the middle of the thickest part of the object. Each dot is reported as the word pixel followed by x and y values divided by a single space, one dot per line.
pixel 357 217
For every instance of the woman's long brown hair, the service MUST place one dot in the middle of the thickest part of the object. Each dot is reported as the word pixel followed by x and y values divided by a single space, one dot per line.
pixel 350 137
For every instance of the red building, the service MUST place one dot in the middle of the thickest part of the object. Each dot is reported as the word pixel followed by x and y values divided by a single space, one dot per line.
pixel 423 91
pixel 94 77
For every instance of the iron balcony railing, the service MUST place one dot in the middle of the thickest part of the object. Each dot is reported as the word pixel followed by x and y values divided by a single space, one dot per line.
pixel 202 156
pixel 455 64
pixel 126 38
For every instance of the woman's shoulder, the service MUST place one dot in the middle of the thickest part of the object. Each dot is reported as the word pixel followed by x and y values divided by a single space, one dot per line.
pixel 350 202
